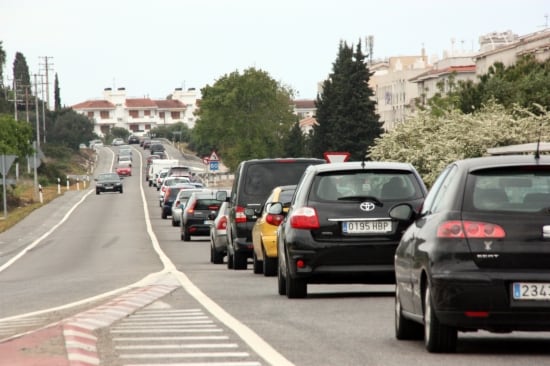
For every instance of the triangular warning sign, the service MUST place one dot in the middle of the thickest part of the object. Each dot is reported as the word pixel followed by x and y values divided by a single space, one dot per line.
pixel 336 157
pixel 213 157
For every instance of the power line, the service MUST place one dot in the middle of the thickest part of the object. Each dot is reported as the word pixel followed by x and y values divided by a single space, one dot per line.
pixel 46 68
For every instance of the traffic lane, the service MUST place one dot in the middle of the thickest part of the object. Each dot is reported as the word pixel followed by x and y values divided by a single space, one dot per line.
pixel 102 246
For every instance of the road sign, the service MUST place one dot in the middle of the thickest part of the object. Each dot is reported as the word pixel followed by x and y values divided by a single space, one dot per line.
pixel 213 157
pixel 214 165
pixel 336 157
pixel 5 163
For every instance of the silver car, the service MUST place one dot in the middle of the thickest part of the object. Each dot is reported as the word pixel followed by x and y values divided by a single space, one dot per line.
pixel 180 201
pixel 218 235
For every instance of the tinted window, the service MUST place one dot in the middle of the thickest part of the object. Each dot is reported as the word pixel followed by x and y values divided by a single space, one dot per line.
pixel 517 189
pixel 207 204
pixel 383 184
pixel 260 179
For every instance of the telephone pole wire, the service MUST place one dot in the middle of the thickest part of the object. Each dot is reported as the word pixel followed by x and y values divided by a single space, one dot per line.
pixel 47 67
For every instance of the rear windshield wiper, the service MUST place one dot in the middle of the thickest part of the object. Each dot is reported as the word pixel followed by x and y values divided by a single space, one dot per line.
pixel 361 198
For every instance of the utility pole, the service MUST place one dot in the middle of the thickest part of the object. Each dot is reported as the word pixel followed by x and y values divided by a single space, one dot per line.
pixel 47 68
pixel 43 110
pixel 36 111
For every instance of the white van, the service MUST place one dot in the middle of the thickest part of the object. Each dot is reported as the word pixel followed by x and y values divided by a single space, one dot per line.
pixel 156 167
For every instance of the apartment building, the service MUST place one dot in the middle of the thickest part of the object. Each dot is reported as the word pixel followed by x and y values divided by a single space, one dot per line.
pixel 139 115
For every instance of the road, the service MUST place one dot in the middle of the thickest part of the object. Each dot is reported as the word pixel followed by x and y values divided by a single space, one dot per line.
pixel 116 244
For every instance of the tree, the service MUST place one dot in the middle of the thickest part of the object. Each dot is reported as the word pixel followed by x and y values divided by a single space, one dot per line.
pixel 21 73
pixel 14 137
pixel 296 143
pixel 431 142
pixel 70 129
pixel 243 116
pixel 57 95
pixel 2 62
pixel 345 111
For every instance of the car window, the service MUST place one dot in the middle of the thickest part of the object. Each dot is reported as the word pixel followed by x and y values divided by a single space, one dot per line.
pixel 516 189
pixel 382 184
pixel 207 204
pixel 434 190
pixel 443 201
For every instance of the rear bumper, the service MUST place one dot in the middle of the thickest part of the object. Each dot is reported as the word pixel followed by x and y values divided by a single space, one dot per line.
pixel 489 301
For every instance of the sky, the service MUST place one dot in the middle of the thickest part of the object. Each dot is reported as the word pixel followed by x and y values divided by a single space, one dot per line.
pixel 152 47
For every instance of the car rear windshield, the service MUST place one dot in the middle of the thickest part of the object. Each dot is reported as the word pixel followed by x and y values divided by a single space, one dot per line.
pixel 207 204
pixel 382 184
pixel 516 189
pixel 261 178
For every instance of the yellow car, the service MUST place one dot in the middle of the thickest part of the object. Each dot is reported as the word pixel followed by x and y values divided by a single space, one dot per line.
pixel 264 231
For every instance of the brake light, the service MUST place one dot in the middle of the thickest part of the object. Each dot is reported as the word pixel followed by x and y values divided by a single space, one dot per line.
pixel 240 217
pixel 477 314
pixel 304 218
pixel 274 219
pixel 222 223
pixel 470 230
pixel 191 208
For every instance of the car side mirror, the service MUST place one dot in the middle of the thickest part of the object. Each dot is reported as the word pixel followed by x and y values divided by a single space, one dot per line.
pixel 402 212
pixel 276 208
pixel 221 196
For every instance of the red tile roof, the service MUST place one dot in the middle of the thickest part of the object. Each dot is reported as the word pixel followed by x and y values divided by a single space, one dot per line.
pixel 94 104
pixel 304 103
pixel 169 104
pixel 449 70
pixel 308 122
pixel 140 103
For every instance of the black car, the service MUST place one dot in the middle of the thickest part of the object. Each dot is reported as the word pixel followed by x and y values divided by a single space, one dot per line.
pixel 108 182
pixel 338 228
pixel 254 181
pixel 477 255
pixel 133 139
pixel 198 214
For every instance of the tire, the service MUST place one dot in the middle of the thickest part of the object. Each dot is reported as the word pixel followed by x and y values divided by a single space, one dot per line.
pixel 185 234
pixel 270 265
pixel 239 261
pixel 120 191
pixel 438 338
pixel 296 288
pixel 405 329
pixel 216 257
pixel 163 215
pixel 174 223
pixel 258 265
pixel 281 281
pixel 97 192
pixel 229 260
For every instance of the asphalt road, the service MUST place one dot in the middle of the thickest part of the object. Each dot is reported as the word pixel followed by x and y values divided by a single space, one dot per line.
pixel 110 243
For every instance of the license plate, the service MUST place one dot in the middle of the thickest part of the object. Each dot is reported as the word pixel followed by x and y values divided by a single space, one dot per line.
pixel 208 222
pixel 366 227
pixel 531 291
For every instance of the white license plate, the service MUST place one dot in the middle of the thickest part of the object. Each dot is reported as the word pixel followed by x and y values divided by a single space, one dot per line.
pixel 366 227
pixel 531 291
pixel 208 222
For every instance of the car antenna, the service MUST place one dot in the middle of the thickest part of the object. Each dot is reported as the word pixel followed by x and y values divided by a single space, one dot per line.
pixel 537 152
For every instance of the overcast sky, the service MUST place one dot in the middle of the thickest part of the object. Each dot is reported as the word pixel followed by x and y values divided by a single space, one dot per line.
pixel 153 47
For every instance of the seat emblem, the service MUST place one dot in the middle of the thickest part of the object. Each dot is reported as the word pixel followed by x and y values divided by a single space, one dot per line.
pixel 366 206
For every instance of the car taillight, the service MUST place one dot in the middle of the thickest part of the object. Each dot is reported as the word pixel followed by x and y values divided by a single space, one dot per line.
pixel 304 218
pixel 191 208
pixel 240 216
pixel 470 230
pixel 274 219
pixel 222 223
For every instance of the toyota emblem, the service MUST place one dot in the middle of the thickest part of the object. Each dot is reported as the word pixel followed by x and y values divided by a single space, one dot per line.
pixel 366 206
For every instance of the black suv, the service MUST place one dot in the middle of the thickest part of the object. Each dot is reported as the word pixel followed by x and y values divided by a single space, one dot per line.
pixel 254 181
pixel 338 228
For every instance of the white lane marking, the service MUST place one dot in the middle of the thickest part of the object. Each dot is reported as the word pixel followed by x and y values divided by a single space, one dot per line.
pixel 184 355
pixel 175 338
pixel 177 346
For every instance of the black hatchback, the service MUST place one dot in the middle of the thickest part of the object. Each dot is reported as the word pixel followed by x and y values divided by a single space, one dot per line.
pixel 477 256
pixel 338 228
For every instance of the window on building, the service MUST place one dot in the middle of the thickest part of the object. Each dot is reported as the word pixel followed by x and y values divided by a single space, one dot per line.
pixel 90 114
pixel 104 114
pixel 134 114
pixel 161 114
pixel 146 113
pixel 175 115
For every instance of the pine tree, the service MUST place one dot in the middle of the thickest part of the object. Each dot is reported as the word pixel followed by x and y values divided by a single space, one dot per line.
pixel 345 111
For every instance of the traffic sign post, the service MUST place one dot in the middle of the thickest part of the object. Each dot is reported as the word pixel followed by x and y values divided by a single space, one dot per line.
pixel 213 162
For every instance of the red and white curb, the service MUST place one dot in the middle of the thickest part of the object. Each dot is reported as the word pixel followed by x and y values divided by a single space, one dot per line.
pixel 78 331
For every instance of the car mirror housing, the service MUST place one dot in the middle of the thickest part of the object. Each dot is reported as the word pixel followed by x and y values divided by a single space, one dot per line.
pixel 276 208
pixel 402 212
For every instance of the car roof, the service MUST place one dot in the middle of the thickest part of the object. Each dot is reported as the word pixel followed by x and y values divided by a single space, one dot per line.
pixel 358 165
pixel 486 162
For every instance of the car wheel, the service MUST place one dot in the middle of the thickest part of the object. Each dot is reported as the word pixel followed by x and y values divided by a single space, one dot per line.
pixel 97 192
pixel 120 191
pixel 257 265
pixel 438 338
pixel 270 265
pixel 163 215
pixel 239 260
pixel 405 328
pixel 174 223
pixel 296 288
pixel 281 281
pixel 185 234
pixel 229 260
pixel 217 257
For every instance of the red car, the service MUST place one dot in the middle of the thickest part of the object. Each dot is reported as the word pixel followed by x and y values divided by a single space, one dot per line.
pixel 124 169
